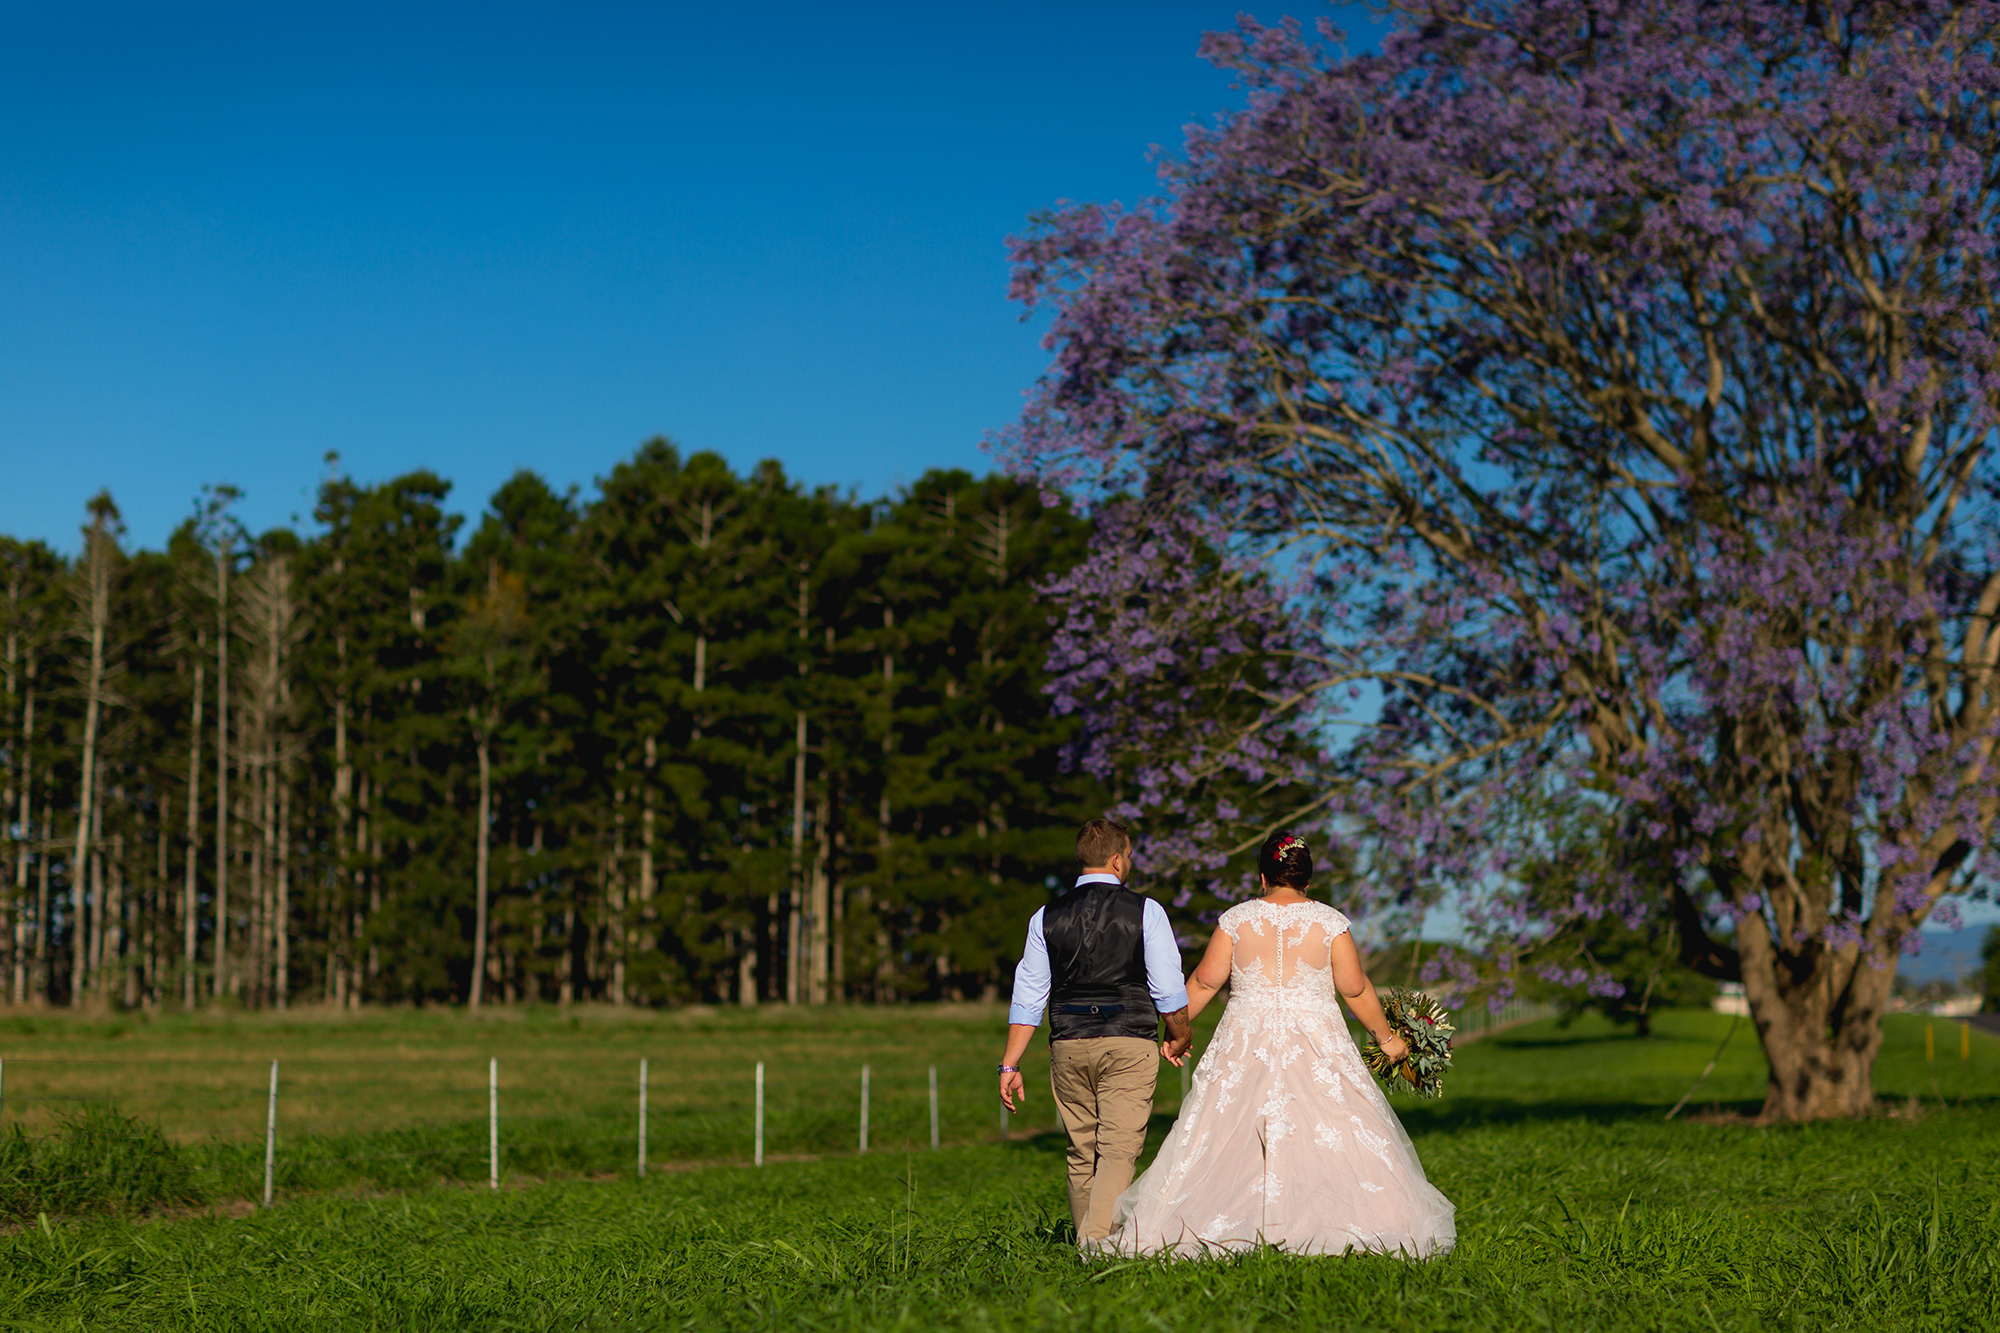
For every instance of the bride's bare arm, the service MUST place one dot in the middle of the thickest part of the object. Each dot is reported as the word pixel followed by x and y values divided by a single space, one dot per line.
pixel 1360 993
pixel 1210 975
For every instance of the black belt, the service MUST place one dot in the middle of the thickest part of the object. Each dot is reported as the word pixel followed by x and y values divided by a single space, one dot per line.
pixel 1090 1009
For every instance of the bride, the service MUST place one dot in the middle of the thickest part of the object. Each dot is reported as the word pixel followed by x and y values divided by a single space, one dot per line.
pixel 1284 1139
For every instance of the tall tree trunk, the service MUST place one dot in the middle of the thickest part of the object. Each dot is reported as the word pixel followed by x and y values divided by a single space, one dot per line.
pixel 25 811
pixel 648 867
pixel 883 962
pixel 483 858
pixel 222 969
pixel 282 983
pixel 241 817
pixel 97 610
pixel 369 847
pixel 156 909
pixel 190 904
pixel 256 789
pixel 94 952
pixel 118 948
pixel 345 888
pixel 836 844
pixel 796 974
pixel 267 857
pixel 819 913
pixel 43 980
pixel 567 992
pixel 12 917
pixel 617 934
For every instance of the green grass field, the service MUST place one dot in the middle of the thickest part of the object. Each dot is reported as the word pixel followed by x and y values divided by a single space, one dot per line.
pixel 1578 1206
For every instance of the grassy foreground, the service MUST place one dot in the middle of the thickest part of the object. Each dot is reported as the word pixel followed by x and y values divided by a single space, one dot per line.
pixel 1578 1208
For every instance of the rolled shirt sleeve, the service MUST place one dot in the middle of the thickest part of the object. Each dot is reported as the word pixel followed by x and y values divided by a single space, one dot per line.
pixel 1163 959
pixel 1031 978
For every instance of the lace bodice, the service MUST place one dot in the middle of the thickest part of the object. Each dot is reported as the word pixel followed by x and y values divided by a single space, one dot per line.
pixel 1282 953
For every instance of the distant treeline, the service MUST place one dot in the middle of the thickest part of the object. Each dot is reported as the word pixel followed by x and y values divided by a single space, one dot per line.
pixel 701 737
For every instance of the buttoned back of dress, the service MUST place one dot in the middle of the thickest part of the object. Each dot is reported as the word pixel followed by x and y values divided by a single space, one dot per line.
pixel 1282 953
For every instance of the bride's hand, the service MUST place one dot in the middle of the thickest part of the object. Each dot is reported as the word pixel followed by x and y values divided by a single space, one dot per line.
pixel 1395 1050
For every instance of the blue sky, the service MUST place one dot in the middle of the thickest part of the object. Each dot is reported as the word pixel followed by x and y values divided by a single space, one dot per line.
pixel 482 238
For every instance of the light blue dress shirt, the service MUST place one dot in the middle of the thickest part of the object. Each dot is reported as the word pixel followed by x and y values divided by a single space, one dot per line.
pixel 1032 979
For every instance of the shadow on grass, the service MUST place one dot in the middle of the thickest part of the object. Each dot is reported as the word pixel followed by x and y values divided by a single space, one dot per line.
pixel 1585 1041
pixel 1466 1114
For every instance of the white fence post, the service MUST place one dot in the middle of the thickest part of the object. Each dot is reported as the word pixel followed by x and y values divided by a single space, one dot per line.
pixel 642 1117
pixel 934 1109
pixel 864 1108
pixel 493 1123
pixel 760 1113
pixel 271 1135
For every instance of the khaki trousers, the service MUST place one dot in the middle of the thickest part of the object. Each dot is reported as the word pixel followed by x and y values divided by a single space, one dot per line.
pixel 1104 1092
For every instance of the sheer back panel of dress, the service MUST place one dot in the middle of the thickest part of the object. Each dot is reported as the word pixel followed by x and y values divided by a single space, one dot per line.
pixel 1282 947
pixel 1279 944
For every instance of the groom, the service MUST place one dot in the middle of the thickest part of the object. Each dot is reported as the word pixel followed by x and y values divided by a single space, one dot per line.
pixel 1105 956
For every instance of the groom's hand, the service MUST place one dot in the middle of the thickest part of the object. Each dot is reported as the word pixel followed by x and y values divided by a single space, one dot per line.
pixel 1013 1089
pixel 1180 1036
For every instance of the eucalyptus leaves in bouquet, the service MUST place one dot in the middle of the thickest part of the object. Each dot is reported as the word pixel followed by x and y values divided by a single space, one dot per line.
pixel 1425 1026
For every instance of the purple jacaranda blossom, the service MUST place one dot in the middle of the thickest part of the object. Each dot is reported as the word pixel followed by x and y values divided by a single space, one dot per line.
pixel 1606 391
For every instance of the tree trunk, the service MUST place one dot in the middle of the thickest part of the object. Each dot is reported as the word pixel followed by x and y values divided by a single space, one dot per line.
pixel 820 906
pixel 43 983
pixel 118 945
pixel 156 911
pixel 221 978
pixel 836 845
pixel 190 906
pixel 617 931
pixel 648 867
pixel 481 861
pixel 883 964
pixel 282 907
pixel 343 892
pixel 94 953
pixel 17 904
pixel 97 598
pixel 363 965
pixel 566 993
pixel 22 976
pixel 1818 1013
pixel 798 976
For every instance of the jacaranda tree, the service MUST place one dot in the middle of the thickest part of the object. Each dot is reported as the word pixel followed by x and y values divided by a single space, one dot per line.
pixel 1596 400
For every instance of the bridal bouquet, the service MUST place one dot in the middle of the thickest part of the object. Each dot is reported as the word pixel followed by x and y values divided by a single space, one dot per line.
pixel 1427 1027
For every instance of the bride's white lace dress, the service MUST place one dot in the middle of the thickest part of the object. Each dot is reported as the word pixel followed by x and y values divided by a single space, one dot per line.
pixel 1284 1139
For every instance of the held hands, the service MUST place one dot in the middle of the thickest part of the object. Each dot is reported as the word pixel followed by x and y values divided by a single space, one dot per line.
pixel 1175 1051
pixel 1013 1089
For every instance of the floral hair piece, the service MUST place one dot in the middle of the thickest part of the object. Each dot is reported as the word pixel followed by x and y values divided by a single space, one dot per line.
pixel 1289 843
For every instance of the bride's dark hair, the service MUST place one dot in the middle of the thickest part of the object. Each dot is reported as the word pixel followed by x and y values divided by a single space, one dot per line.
pixel 1286 860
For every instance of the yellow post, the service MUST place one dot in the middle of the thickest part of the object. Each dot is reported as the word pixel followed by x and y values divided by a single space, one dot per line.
pixel 1964 1042
pixel 1930 1044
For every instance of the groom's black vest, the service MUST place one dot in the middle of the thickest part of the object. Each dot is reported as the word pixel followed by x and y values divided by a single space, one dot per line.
pixel 1097 964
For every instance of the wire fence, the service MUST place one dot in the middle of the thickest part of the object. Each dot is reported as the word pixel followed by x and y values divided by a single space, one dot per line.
pixel 1478 1020
pixel 321 1120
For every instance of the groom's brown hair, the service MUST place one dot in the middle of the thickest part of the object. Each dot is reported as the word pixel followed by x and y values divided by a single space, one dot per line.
pixel 1099 840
